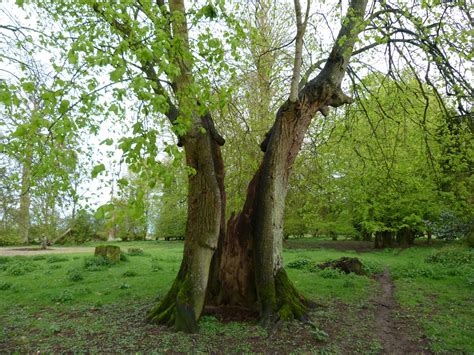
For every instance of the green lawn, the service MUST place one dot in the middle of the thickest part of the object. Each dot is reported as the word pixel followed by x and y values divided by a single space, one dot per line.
pixel 68 303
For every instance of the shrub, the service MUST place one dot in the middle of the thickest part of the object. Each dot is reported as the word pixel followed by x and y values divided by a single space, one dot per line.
pixel 96 263
pixel 54 328
pixel 63 297
pixel 453 256
pixel 135 252
pixel 4 260
pixel 319 334
pixel 411 271
pixel 38 257
pixel 299 264
pixel 5 285
pixel 451 226
pixel 124 286
pixel 9 239
pixel 330 273
pixel 129 273
pixel 372 267
pixel 74 275
pixel 19 268
pixel 56 259
pixel 55 266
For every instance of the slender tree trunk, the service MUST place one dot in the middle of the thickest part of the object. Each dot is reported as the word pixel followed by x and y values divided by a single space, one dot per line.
pixel 366 236
pixel 25 200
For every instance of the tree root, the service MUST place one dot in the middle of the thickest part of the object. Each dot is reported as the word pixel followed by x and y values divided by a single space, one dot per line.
pixel 175 310
pixel 288 303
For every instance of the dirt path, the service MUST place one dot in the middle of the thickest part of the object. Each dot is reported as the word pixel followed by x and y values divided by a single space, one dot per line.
pixel 398 336
pixel 36 251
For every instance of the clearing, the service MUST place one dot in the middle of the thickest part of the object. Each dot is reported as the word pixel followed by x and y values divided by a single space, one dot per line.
pixel 410 302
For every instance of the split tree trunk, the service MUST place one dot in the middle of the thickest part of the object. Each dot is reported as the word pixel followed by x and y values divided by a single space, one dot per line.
pixel 248 267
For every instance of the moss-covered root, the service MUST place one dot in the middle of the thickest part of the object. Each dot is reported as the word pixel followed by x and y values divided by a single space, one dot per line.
pixel 175 309
pixel 290 303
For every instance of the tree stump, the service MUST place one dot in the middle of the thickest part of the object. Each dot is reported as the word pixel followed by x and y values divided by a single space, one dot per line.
pixel 110 252
pixel 345 264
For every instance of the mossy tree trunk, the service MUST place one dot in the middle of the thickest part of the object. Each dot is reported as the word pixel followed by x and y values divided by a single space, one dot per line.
pixel 183 304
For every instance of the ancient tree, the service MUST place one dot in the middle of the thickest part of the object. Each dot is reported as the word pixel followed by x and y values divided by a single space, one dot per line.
pixel 149 43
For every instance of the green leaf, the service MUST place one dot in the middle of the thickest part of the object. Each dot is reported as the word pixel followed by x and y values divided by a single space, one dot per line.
pixel 19 132
pixel 122 182
pixel 137 127
pixel 114 108
pixel 97 170
pixel 108 141
pixel 117 74
pixel 5 96
pixel 29 87
pixel 72 57
pixel 209 11
pixel 63 107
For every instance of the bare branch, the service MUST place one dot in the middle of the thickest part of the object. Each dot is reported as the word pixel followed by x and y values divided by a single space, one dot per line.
pixel 300 30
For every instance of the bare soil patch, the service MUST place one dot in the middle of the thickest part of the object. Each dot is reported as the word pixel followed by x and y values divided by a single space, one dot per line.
pixel 37 251
pixel 397 335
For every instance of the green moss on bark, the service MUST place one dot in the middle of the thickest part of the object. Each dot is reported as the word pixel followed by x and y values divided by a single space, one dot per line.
pixel 290 304
pixel 281 300
pixel 176 308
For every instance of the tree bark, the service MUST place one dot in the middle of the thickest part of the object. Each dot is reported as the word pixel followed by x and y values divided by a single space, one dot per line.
pixel 25 200
pixel 183 304
pixel 405 237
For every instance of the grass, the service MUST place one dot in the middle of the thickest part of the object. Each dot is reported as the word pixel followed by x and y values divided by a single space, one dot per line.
pixel 75 302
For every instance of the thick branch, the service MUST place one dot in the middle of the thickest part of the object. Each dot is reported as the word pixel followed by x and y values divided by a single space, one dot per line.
pixel 326 87
pixel 338 60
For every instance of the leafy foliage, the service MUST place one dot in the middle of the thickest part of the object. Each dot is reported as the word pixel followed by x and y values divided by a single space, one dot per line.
pixel 452 256
pixel 299 264
pixel 74 275
pixel 96 263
